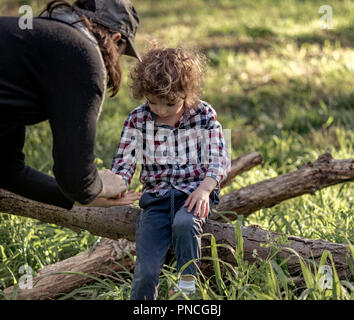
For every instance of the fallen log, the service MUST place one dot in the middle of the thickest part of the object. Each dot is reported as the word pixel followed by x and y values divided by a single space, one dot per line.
pixel 241 164
pixel 256 241
pixel 54 281
pixel 113 223
pixel 116 222
pixel 119 222
pixel 324 172
pixel 60 278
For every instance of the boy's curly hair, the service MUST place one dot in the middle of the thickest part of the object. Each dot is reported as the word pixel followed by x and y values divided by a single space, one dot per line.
pixel 169 74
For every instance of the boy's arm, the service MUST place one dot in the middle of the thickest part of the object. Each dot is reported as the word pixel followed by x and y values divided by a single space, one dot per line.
pixel 219 160
pixel 218 168
pixel 208 184
pixel 125 160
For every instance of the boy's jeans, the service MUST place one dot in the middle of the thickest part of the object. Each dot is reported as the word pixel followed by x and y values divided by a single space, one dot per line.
pixel 164 220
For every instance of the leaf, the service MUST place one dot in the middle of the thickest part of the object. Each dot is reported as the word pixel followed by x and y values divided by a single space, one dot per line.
pixel 216 264
pixel 239 244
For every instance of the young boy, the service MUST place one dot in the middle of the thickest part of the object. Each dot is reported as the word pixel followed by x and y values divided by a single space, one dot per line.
pixel 180 145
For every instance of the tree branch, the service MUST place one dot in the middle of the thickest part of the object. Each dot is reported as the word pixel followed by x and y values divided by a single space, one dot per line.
pixel 308 179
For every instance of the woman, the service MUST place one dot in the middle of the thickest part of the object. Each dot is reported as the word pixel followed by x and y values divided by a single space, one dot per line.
pixel 59 71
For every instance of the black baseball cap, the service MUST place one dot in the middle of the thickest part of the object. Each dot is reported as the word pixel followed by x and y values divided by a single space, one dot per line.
pixel 118 15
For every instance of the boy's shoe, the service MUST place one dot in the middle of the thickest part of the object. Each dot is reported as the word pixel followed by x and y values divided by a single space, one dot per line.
pixel 176 294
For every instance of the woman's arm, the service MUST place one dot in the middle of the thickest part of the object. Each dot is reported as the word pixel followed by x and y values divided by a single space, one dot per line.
pixel 16 177
pixel 73 97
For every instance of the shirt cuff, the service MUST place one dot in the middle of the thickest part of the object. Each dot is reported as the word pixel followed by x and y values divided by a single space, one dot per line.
pixel 215 177
pixel 91 192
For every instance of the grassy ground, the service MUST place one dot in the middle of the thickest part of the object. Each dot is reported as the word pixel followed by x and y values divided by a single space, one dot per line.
pixel 282 85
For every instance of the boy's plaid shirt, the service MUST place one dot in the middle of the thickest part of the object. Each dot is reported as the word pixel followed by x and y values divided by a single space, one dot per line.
pixel 179 157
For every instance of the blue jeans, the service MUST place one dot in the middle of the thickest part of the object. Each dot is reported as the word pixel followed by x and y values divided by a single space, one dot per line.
pixel 164 220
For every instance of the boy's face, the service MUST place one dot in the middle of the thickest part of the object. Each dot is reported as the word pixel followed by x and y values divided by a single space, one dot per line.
pixel 165 109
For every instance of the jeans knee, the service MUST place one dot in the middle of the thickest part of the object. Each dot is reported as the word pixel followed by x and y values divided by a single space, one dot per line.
pixel 184 224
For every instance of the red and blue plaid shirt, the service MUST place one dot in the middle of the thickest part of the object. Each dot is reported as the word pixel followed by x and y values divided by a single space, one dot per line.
pixel 180 156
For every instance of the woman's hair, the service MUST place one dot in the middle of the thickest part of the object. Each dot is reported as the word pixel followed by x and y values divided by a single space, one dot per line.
pixel 169 74
pixel 108 48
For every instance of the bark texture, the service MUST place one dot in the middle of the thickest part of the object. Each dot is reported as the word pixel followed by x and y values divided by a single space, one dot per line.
pixel 324 172
pixel 254 237
pixel 53 280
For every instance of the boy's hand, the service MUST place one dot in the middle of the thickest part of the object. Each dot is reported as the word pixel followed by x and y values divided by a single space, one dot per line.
pixel 199 199
pixel 127 198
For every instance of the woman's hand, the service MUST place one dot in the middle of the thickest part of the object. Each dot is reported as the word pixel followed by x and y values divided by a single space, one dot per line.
pixel 124 199
pixel 113 184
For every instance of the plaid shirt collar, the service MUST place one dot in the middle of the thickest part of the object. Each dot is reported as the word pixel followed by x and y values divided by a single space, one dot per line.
pixel 188 113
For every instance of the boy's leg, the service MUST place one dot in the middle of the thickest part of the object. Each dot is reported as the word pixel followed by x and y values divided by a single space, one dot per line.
pixel 186 229
pixel 153 239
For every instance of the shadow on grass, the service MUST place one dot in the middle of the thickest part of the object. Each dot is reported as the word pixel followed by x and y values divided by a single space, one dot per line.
pixel 218 43
pixel 344 35
pixel 264 39
pixel 291 105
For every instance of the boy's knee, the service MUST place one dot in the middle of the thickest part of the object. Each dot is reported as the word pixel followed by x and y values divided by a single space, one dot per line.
pixel 185 222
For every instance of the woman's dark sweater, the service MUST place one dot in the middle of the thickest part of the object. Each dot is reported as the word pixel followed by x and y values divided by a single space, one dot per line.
pixel 52 72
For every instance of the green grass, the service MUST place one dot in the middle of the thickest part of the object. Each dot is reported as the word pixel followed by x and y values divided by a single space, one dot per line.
pixel 284 88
